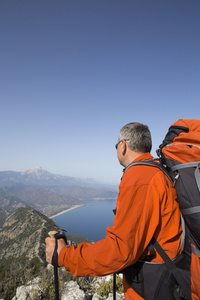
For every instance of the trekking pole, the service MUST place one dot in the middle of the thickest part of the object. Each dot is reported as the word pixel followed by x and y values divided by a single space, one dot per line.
pixel 114 286
pixel 56 235
pixel 56 283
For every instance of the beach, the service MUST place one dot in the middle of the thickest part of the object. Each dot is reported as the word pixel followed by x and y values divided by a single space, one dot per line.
pixel 66 210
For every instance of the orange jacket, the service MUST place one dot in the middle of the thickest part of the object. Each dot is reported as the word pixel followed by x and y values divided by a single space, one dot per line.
pixel 146 207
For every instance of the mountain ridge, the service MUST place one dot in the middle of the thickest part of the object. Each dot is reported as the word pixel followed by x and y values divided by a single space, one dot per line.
pixel 22 248
pixel 40 176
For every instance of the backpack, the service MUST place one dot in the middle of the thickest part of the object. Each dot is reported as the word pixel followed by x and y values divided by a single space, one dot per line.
pixel 180 154
pixel 179 159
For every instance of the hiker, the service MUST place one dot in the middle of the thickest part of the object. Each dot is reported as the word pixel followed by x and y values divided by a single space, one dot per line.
pixel 146 208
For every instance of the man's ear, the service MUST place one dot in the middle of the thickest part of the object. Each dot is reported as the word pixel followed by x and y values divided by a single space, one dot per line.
pixel 124 148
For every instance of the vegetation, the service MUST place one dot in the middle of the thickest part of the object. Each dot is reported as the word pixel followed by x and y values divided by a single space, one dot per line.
pixel 17 273
pixel 23 272
pixel 107 287
pixel 20 274
pixel 47 288
pixel 86 284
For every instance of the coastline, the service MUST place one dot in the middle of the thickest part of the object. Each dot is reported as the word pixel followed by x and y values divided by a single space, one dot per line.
pixel 66 210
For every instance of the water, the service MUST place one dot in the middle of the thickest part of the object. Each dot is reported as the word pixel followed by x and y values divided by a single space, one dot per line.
pixel 90 220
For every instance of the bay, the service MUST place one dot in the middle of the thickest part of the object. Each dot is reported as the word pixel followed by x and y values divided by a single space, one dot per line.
pixel 90 220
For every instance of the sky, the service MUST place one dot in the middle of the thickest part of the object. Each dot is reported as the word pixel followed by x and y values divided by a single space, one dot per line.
pixel 73 72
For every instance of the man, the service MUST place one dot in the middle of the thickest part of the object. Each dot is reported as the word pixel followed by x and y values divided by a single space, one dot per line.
pixel 146 208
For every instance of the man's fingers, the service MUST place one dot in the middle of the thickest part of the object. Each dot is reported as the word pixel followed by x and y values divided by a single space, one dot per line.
pixel 50 246
pixel 48 240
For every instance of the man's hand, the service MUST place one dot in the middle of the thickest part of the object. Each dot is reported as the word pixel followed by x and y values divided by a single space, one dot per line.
pixel 50 246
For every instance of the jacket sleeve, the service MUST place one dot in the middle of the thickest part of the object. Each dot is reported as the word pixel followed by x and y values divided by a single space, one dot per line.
pixel 138 215
pixel 135 222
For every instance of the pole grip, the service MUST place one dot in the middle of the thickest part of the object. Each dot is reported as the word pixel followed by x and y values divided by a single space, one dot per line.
pixel 52 234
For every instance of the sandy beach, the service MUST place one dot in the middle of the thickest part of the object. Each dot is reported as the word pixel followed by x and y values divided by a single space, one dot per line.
pixel 64 211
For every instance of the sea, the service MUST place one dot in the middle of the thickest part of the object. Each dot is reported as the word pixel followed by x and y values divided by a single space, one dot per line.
pixel 90 220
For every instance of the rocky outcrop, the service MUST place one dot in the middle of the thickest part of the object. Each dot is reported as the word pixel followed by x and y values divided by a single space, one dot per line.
pixel 70 291
pixel 28 292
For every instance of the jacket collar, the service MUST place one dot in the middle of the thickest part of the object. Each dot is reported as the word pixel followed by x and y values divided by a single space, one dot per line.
pixel 145 156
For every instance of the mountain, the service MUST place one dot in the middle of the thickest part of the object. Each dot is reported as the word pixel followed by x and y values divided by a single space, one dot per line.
pixel 23 233
pixel 46 200
pixel 9 202
pixel 41 177
pixel 22 247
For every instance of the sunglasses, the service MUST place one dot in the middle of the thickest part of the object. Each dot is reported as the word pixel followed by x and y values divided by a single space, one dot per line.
pixel 120 143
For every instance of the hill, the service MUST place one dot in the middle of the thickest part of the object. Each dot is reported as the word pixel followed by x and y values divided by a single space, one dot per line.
pixel 3 216
pixel 23 233
pixel 22 248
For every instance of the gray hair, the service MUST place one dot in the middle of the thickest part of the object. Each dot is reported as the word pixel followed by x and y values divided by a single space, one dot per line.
pixel 138 137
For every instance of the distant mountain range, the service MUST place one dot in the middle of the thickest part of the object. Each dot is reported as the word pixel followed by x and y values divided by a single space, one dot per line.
pixel 46 192
pixel 40 176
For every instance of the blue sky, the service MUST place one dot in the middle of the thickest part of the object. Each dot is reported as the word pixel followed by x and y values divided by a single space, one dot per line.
pixel 73 72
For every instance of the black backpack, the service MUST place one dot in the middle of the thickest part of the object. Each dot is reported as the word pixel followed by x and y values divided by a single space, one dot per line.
pixel 179 159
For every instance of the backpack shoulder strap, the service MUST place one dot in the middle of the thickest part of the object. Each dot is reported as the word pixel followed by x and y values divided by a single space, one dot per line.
pixel 181 275
pixel 170 264
pixel 151 163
